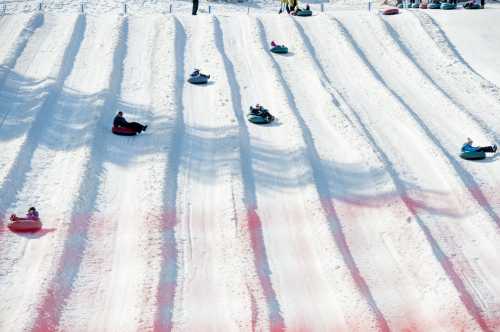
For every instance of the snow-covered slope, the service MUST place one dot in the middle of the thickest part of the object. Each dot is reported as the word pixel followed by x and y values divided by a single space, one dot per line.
pixel 351 212
pixel 474 36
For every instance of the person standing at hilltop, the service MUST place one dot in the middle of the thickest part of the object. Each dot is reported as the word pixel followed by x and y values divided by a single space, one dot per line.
pixel 195 6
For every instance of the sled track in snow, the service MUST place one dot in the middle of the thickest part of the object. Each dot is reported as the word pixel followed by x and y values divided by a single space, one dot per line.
pixel 325 196
pixel 60 288
pixel 466 177
pixel 254 223
pixel 169 250
pixel 412 205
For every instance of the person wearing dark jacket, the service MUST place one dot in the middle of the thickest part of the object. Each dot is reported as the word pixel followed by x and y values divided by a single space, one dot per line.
pixel 195 6
pixel 120 121
pixel 468 147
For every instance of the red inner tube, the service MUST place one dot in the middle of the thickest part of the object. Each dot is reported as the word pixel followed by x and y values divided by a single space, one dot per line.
pixel 391 11
pixel 22 225
pixel 123 131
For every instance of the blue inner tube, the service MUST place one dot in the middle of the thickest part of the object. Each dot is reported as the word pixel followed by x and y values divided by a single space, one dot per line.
pixel 415 5
pixel 200 79
pixel 280 49
pixel 434 6
pixel 447 6
pixel 473 155
pixel 259 119
pixel 304 12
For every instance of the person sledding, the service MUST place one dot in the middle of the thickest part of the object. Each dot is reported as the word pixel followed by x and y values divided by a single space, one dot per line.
pixel 259 115
pixel 276 48
pixel 471 152
pixel 302 12
pixel 468 147
pixel 30 223
pixel 197 73
pixel 197 77
pixel 32 215
pixel 122 127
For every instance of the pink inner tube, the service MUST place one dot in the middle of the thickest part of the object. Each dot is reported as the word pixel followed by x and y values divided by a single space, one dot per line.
pixel 390 11
pixel 23 225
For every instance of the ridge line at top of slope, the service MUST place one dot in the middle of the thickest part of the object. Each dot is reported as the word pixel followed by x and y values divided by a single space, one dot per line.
pixel 466 298
pixel 437 34
pixel 465 176
pixel 325 194
pixel 52 304
pixel 460 107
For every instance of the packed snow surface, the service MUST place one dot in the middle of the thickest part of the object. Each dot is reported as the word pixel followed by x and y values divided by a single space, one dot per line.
pixel 351 212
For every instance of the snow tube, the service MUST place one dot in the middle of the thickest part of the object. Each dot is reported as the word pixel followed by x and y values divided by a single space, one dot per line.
pixel 448 6
pixel 473 155
pixel 423 6
pixel 304 12
pixel 415 5
pixel 473 6
pixel 258 119
pixel 434 6
pixel 200 79
pixel 280 49
pixel 122 131
pixel 390 11
pixel 23 225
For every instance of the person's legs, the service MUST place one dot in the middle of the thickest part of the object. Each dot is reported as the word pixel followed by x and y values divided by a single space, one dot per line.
pixel 195 7
pixel 487 149
pixel 136 126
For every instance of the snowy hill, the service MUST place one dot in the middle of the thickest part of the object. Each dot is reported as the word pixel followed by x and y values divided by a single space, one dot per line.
pixel 351 212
